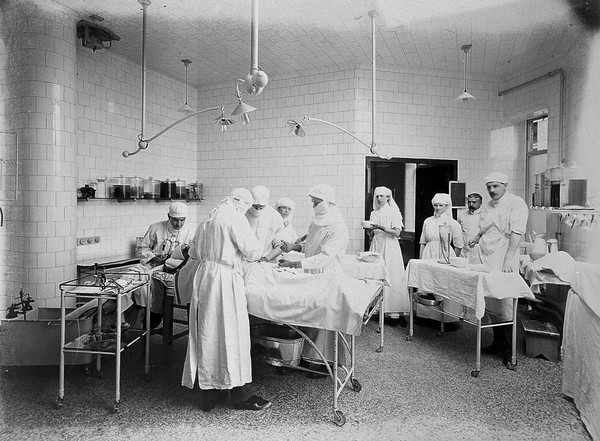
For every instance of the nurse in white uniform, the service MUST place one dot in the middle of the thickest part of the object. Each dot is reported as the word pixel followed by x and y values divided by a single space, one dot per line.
pixel 385 230
pixel 431 248
pixel 324 248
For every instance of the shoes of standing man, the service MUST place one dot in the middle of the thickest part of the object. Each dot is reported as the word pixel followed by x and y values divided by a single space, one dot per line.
pixel 253 403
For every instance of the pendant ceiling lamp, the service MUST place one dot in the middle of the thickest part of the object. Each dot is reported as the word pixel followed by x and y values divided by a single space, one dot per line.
pixel 256 80
pixel 186 108
pixel 465 96
pixel 143 142
pixel 297 129
pixel 242 108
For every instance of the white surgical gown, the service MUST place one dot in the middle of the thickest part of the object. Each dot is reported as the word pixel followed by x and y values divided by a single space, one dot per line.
pixel 325 245
pixel 266 227
pixel 218 353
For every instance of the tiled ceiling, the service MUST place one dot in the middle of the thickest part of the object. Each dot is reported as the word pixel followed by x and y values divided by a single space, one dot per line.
pixel 508 36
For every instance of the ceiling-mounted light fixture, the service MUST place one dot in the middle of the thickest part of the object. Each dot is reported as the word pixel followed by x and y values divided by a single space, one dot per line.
pixel 186 108
pixel 297 130
pixel 465 96
pixel 242 108
pixel 257 79
pixel 296 127
pixel 223 121
pixel 143 142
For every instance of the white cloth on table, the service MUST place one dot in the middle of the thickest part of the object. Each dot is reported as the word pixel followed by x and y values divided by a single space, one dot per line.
pixel 218 352
pixel 328 301
pixel 460 284
pixel 396 295
pixel 581 354
pixel 585 281
pixel 560 263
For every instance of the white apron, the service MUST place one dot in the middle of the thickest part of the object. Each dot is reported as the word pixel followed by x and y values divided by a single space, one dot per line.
pixel 430 236
pixel 395 296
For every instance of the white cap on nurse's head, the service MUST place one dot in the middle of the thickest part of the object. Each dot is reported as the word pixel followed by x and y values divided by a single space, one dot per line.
pixel 496 177
pixel 178 209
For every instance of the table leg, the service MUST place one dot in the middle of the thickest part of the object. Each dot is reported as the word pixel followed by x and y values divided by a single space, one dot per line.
pixel 513 358
pixel 411 294
pixel 475 373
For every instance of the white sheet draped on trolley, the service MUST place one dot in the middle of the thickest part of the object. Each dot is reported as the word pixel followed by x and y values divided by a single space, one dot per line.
pixel 460 283
pixel 331 301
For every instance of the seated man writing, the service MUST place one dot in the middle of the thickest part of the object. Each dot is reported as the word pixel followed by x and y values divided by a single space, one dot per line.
pixel 160 242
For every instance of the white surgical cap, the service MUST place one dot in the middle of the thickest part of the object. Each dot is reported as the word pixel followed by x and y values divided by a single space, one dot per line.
pixel 178 209
pixel 243 196
pixel 261 195
pixel 323 191
pixel 286 202
pixel 496 177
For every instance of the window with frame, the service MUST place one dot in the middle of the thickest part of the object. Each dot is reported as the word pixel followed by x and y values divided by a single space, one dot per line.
pixel 537 135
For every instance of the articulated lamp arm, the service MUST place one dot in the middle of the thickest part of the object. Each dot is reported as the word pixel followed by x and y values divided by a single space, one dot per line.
pixel 372 146
pixel 143 143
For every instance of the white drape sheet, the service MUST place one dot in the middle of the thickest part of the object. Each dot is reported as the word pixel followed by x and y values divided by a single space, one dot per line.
pixel 330 301
pixel 581 345
pixel 465 286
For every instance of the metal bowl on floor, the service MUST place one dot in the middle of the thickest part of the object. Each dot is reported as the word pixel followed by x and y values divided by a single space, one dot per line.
pixel 428 301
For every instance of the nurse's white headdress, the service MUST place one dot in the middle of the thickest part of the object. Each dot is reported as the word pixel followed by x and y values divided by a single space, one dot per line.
pixel 385 192
pixel 261 195
pixel 443 198
pixel 323 191
pixel 285 202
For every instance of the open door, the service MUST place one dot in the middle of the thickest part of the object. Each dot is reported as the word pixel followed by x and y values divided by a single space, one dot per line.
pixel 413 182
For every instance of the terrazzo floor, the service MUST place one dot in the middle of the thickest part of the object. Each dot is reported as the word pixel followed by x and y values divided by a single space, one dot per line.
pixel 413 390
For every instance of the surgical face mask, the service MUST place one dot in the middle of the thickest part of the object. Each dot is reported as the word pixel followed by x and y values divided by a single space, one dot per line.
pixel 322 208
pixel 255 211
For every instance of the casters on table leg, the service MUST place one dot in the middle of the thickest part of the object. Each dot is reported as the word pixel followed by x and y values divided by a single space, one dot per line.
pixel 379 349
pixel 356 385
pixel 511 366
pixel 408 338
pixel 440 334
pixel 99 374
pixel 339 418
pixel 378 330
pixel 116 406
pixel 59 402
pixel 147 377
pixel 475 373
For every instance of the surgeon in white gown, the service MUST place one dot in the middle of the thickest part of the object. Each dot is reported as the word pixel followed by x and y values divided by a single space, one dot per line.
pixel 324 248
pixel 286 207
pixel 265 221
pixel 385 230
pixel 431 249
pixel 218 352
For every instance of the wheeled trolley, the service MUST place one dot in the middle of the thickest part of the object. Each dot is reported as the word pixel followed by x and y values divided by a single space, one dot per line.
pixel 102 288
pixel 468 286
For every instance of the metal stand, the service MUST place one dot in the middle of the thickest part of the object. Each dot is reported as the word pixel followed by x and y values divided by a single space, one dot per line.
pixel 474 373
pixel 104 286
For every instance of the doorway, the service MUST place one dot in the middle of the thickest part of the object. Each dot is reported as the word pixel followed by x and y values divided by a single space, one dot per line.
pixel 413 182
